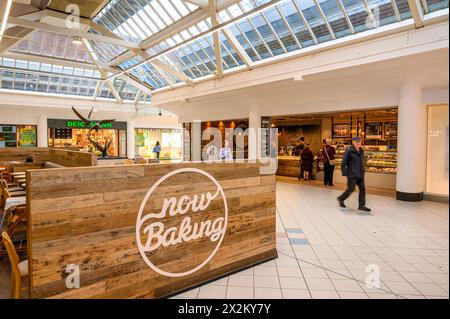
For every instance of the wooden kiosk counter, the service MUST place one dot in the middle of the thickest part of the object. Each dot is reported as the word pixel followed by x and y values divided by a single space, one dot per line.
pixel 146 231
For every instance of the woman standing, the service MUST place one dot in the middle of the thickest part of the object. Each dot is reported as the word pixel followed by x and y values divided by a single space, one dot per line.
pixel 307 162
pixel 329 161
pixel 157 150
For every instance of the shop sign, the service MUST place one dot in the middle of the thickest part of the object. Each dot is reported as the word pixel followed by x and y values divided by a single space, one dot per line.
pixel 81 124
pixel 187 226
pixel 77 124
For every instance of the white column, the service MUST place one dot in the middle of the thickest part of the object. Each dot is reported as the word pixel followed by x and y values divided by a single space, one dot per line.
pixel 254 124
pixel 42 131
pixel 196 141
pixel 412 143
pixel 131 139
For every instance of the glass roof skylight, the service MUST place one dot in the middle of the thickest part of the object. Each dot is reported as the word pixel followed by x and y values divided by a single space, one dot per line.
pixel 53 45
pixel 289 26
pixel 47 78
pixel 136 20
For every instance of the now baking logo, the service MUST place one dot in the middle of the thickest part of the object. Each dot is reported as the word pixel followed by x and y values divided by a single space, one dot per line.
pixel 177 236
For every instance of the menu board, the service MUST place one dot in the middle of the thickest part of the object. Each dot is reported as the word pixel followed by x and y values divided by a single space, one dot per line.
pixel 27 136
pixel 140 139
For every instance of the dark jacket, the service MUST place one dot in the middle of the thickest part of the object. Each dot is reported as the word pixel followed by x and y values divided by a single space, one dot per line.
pixel 353 163
pixel 307 160
pixel 331 153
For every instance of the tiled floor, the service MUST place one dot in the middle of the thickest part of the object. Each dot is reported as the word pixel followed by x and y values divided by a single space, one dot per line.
pixel 328 252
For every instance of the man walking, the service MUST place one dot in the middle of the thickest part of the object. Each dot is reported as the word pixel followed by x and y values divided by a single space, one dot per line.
pixel 353 167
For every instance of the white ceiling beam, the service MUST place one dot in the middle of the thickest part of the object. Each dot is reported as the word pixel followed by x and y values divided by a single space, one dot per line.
pixel 111 87
pixel 71 32
pixel 99 8
pixel 103 72
pixel 15 34
pixel 169 69
pixel 216 40
pixel 417 13
pixel 5 9
pixel 142 87
pixel 237 47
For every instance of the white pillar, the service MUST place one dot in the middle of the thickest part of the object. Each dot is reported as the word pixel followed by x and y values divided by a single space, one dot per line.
pixel 131 139
pixel 196 141
pixel 254 124
pixel 42 131
pixel 412 143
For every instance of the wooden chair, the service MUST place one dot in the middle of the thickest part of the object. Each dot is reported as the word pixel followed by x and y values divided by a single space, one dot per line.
pixel 19 270
pixel 16 227
pixel 5 195
pixel 17 222
pixel 5 174
pixel 9 184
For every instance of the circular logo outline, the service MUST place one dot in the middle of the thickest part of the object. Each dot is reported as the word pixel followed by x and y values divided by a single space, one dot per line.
pixel 141 209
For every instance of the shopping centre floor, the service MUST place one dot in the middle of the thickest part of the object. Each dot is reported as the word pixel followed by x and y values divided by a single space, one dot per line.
pixel 324 251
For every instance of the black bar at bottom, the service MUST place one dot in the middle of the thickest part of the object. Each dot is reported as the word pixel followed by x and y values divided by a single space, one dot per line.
pixel 410 197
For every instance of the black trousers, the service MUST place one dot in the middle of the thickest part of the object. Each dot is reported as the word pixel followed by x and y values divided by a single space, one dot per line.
pixel 328 174
pixel 351 183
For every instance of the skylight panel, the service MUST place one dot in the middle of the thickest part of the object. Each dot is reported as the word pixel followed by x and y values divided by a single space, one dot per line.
pixel 171 10
pixel 160 24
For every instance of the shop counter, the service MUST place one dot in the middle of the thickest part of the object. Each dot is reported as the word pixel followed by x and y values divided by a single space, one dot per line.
pixel 288 166
pixel 146 231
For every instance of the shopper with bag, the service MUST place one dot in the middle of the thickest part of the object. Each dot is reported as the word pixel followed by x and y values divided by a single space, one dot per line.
pixel 329 162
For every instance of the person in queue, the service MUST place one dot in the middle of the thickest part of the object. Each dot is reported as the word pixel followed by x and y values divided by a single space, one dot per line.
pixel 307 157
pixel 298 152
pixel 329 161
pixel 225 153
pixel 353 168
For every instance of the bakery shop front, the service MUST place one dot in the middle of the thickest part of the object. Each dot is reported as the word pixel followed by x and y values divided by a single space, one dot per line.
pixel 377 129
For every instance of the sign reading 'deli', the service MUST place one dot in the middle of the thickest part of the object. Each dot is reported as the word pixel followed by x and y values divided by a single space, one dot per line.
pixel 177 236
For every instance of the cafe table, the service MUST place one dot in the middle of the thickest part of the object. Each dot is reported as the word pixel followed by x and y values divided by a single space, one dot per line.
pixel 11 202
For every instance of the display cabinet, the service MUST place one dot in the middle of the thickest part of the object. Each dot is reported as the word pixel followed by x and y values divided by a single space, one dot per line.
pixel 378 159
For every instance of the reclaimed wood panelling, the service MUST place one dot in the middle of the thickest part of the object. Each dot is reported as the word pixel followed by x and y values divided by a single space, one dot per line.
pixel 63 157
pixel 289 167
pixel 87 217
pixel 20 154
pixel 69 158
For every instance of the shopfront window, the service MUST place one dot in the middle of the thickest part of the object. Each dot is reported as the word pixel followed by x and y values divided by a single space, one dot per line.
pixel 18 136
pixel 71 134
pixel 438 150
pixel 170 140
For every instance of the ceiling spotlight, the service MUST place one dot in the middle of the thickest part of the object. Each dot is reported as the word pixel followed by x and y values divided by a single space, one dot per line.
pixel 77 40
pixel 298 77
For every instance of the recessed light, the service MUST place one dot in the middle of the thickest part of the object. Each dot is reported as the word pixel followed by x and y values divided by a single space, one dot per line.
pixel 77 40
